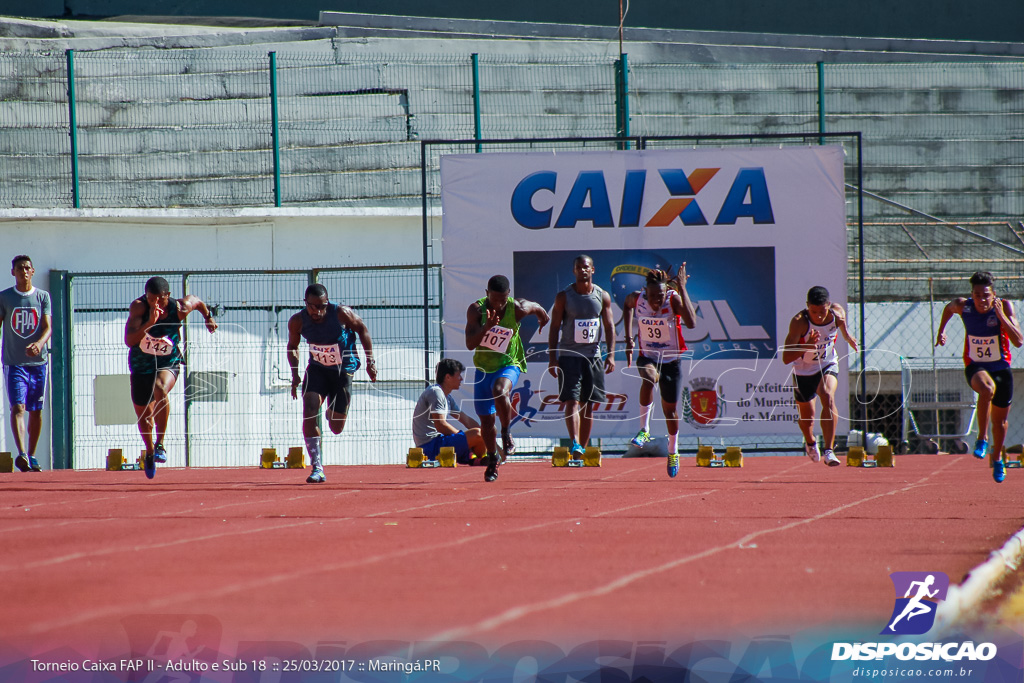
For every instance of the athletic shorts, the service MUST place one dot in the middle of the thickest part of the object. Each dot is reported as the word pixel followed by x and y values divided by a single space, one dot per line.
pixel 669 376
pixel 806 386
pixel 1003 396
pixel 332 383
pixel 143 384
pixel 483 387
pixel 581 379
pixel 26 385
pixel 458 441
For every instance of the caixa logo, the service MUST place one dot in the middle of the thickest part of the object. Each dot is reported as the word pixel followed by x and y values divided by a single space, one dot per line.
pixel 589 199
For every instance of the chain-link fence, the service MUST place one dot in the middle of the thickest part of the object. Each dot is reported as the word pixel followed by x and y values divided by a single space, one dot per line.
pixel 233 397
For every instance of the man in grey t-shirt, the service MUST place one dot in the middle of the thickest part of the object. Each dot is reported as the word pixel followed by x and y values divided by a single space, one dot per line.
pixel 25 311
pixel 582 312
pixel 431 429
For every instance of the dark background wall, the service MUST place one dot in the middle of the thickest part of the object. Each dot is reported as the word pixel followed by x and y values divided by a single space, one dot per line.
pixel 988 20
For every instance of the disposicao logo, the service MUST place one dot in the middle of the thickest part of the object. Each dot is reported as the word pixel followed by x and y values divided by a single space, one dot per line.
pixel 917 596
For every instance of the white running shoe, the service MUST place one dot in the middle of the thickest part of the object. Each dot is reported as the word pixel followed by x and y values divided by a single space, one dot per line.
pixel 811 449
pixel 830 458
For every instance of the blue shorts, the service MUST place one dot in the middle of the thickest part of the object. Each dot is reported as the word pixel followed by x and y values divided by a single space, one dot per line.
pixel 483 388
pixel 26 385
pixel 457 441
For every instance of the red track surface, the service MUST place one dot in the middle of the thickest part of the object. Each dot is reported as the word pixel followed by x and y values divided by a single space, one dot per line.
pixel 623 551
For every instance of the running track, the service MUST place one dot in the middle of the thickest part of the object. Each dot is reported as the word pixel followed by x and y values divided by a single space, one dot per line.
pixel 564 555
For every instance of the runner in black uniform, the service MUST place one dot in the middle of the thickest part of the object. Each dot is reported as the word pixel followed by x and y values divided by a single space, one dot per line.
pixel 331 331
pixel 153 337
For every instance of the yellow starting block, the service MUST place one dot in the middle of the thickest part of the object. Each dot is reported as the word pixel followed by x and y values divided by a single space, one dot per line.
pixel 706 457
pixel 1007 461
pixel 6 462
pixel 269 459
pixel 116 460
pixel 446 457
pixel 733 456
pixel 417 459
pixel 856 457
pixel 561 457
pixel 296 458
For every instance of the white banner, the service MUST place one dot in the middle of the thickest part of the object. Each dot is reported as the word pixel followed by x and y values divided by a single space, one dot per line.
pixel 756 228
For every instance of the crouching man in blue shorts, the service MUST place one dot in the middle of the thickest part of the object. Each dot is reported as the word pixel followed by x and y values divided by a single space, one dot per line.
pixel 430 427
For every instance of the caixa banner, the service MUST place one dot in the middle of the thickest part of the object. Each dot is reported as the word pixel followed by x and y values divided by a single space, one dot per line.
pixel 756 229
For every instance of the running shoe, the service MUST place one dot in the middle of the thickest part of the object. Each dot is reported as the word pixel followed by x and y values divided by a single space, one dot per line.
pixel 160 453
pixel 33 464
pixel 980 448
pixel 998 472
pixel 317 477
pixel 149 465
pixel 673 464
pixel 811 449
pixel 642 437
pixel 508 444
pixel 22 463
pixel 830 458
pixel 577 452
pixel 491 473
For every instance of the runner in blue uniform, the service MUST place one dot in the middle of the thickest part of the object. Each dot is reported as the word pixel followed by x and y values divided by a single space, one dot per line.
pixel 331 331
pixel 990 327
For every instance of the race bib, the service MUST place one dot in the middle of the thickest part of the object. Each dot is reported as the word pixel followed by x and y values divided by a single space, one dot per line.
pixel 655 331
pixel 156 347
pixel 587 331
pixel 326 354
pixel 497 339
pixel 983 349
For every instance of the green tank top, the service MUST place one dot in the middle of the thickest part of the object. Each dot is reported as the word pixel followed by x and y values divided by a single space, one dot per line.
pixel 490 360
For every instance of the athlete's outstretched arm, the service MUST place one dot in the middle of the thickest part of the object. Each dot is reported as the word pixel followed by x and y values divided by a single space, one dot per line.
pixel 609 333
pixel 628 311
pixel 557 312
pixel 294 336
pixel 525 308
pixel 349 318
pixel 193 303
pixel 688 311
pixel 840 315
pixel 1004 311
pixel 954 307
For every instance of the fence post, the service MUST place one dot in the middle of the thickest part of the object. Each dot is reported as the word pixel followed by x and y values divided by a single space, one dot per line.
pixel 76 200
pixel 821 101
pixel 275 130
pixel 622 99
pixel 186 380
pixel 61 391
pixel 477 127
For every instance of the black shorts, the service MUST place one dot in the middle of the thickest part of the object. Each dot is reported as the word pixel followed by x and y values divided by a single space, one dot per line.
pixel 806 386
pixel 1003 396
pixel 581 379
pixel 332 383
pixel 143 384
pixel 669 374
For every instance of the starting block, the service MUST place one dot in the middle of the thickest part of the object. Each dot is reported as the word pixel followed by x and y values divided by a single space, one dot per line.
pixel 592 457
pixel 446 457
pixel 296 458
pixel 1006 459
pixel 733 456
pixel 856 457
pixel 269 459
pixel 706 457
pixel 417 459
pixel 560 457
pixel 6 462
pixel 116 460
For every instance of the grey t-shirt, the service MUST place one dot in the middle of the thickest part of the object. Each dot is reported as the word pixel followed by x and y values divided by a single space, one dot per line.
pixel 23 321
pixel 580 334
pixel 432 400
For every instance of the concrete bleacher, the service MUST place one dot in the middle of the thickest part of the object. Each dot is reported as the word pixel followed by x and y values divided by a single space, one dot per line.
pixel 172 118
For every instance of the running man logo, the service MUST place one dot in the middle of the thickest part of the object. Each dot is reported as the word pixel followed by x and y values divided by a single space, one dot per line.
pixel 588 200
pixel 24 322
pixel 917 596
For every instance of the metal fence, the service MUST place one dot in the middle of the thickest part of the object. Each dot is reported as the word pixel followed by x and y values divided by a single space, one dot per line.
pixel 233 397
pixel 166 128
